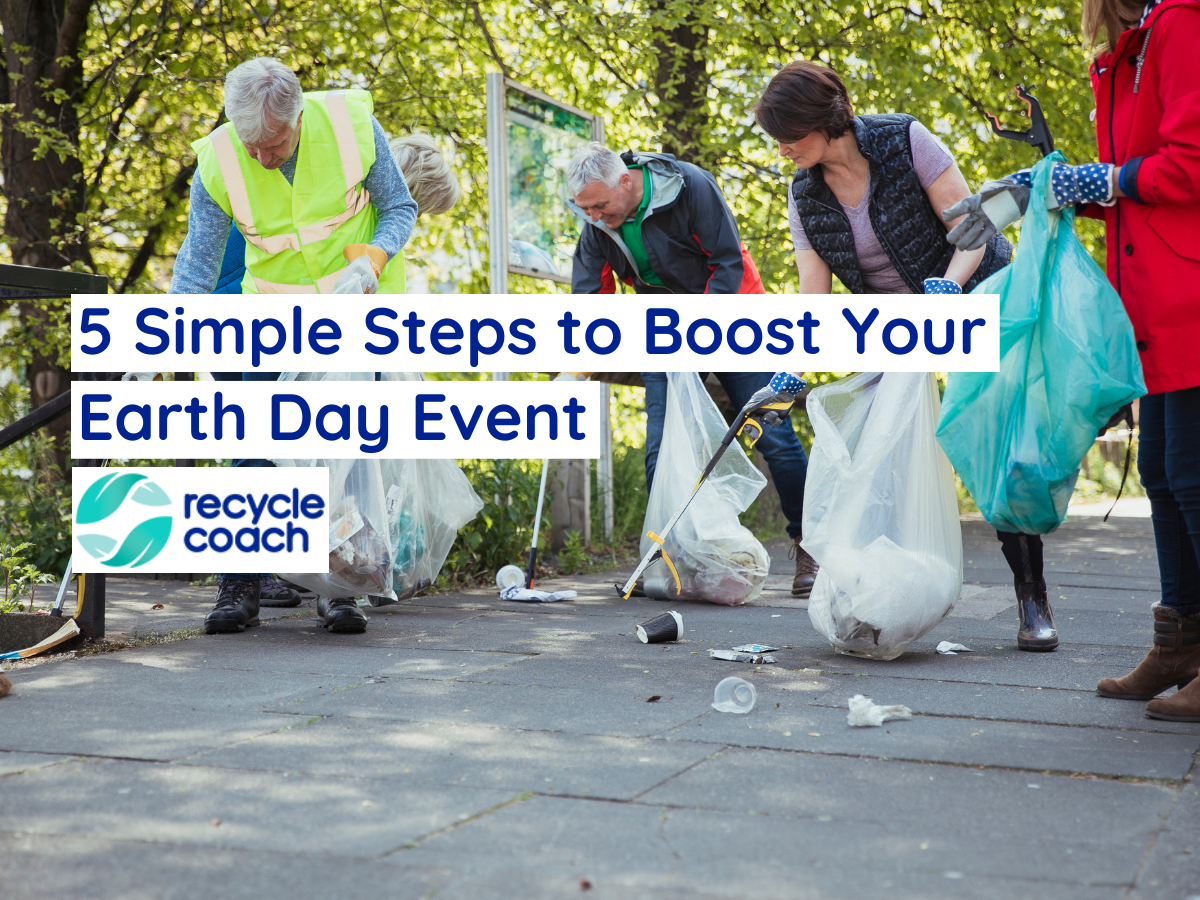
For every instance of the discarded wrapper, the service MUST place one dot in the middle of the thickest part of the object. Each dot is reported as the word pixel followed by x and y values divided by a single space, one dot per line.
pixel 734 656
pixel 754 648
pixel 864 713
pixel 946 648
pixel 667 627
pixel 528 595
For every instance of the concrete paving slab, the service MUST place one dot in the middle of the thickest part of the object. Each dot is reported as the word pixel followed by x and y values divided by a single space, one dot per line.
pixel 512 706
pixel 1011 703
pixel 466 755
pixel 88 868
pixel 970 742
pixel 11 763
pixel 1172 868
pixel 254 810
pixel 546 846
pixel 117 706
pixel 916 797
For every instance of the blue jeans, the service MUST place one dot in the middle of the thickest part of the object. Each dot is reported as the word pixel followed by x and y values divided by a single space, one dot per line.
pixel 779 446
pixel 1169 462
pixel 247 463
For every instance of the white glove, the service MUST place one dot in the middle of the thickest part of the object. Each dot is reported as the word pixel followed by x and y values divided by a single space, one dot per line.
pixel 358 278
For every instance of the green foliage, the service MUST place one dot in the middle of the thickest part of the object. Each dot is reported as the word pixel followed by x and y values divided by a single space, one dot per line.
pixel 500 534
pixel 21 578
pixel 573 557
pixel 35 504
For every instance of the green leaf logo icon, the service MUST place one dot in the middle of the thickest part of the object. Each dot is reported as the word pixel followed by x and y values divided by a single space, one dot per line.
pixel 105 497
pixel 143 543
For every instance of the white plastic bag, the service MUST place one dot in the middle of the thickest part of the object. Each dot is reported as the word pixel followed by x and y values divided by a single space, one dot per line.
pixel 716 557
pixel 880 514
pixel 392 522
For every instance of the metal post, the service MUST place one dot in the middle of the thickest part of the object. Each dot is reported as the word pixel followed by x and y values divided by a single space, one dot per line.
pixel 604 465
pixel 497 150
pixel 89 611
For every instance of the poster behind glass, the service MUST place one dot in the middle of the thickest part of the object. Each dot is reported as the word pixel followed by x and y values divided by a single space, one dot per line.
pixel 541 139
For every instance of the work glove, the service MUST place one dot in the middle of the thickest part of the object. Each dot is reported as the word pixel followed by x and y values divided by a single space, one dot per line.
pixel 359 277
pixel 772 404
pixel 942 286
pixel 1000 203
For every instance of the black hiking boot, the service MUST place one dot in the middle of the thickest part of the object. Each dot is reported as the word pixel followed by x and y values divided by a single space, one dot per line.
pixel 272 592
pixel 342 615
pixel 236 609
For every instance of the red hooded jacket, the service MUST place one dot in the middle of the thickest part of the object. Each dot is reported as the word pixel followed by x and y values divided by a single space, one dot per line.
pixel 1148 122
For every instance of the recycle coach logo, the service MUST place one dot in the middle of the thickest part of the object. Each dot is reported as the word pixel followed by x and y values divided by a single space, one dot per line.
pixel 132 536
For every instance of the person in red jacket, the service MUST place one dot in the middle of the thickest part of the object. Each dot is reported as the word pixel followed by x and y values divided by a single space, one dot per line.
pixel 1146 187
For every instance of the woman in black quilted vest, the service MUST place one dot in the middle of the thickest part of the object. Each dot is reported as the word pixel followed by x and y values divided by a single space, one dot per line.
pixel 862 206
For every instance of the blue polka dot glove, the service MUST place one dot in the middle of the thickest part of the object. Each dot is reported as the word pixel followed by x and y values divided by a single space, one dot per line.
pixel 942 286
pixel 1089 183
pixel 786 381
pixel 772 404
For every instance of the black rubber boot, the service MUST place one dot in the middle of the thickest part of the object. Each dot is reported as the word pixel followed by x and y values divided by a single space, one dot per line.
pixel 236 609
pixel 342 615
pixel 1037 630
pixel 273 593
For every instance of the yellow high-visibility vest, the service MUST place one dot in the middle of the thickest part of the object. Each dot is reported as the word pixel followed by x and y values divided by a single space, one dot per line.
pixel 295 232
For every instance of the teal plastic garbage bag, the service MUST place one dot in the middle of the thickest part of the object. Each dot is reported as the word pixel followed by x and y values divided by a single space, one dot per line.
pixel 1068 361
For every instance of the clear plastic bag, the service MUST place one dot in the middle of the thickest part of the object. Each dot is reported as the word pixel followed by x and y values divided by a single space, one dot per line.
pixel 880 514
pixel 392 522
pixel 716 557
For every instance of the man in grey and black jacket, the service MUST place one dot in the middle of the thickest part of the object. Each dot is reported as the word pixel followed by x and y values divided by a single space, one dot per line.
pixel 662 226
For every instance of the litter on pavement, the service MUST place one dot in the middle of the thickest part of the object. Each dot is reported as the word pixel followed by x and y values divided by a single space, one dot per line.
pixel 946 648
pixel 734 695
pixel 736 656
pixel 528 595
pixel 660 629
pixel 864 713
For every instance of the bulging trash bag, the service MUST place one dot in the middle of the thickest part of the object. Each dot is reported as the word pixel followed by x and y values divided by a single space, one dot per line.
pixel 716 557
pixel 880 514
pixel 1068 361
pixel 392 522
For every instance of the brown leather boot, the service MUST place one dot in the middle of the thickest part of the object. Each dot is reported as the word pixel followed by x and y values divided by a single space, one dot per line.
pixel 1173 660
pixel 1181 707
pixel 806 570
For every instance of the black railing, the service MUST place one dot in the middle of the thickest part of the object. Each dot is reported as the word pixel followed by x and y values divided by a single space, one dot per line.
pixel 30 283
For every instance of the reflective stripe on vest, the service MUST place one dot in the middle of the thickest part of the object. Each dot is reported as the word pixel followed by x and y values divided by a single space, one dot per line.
pixel 357 198
pixel 324 285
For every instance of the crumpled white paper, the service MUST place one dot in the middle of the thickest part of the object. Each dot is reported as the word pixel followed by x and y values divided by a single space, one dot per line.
pixel 527 595
pixel 946 648
pixel 864 713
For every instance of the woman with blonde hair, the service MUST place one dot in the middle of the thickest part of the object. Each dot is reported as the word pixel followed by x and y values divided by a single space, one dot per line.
pixel 1146 188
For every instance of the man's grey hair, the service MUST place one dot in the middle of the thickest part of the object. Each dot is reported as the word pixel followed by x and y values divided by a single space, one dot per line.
pixel 593 162
pixel 262 97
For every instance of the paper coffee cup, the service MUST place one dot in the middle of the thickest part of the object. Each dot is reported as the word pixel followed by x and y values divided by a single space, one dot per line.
pixel 660 629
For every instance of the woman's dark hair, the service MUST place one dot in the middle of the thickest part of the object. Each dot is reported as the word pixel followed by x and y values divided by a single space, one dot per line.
pixel 804 97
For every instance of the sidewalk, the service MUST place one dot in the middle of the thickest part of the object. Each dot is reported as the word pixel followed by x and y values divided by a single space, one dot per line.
pixel 466 747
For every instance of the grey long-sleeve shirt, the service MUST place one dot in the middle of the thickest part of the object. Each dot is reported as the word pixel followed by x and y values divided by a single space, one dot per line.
pixel 198 264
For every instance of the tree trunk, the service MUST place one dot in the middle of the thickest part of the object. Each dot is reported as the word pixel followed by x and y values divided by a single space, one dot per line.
pixel 43 175
pixel 681 84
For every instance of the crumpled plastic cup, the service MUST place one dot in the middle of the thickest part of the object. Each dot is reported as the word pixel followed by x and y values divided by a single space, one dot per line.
pixel 734 695
pixel 510 576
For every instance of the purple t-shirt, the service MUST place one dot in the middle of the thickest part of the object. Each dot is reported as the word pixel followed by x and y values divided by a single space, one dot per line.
pixel 930 159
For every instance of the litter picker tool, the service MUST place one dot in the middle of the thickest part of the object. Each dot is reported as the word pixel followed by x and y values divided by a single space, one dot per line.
pixel 531 564
pixel 771 406
pixel 1038 134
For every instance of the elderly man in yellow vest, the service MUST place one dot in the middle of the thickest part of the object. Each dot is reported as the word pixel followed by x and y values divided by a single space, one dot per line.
pixel 308 181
